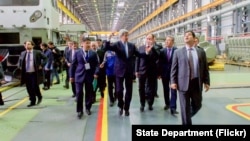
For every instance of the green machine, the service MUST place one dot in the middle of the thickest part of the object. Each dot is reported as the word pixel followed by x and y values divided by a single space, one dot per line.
pixel 210 50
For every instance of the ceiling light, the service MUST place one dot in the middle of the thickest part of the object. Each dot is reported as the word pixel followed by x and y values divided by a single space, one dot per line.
pixel 121 4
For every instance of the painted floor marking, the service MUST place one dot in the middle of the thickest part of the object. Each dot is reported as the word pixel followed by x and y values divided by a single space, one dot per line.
pixel 242 110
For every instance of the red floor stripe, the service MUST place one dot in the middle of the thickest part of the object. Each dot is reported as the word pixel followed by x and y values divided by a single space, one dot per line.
pixel 98 133
pixel 235 108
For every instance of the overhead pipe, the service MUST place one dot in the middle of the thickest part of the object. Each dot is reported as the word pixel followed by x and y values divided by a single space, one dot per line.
pixel 222 11
pixel 166 5
pixel 201 9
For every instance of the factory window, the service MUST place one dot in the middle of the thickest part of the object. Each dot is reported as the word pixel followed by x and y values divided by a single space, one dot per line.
pixel 19 2
pixel 9 38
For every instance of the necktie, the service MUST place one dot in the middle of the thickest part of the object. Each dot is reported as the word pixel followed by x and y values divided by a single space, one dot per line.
pixel 126 49
pixel 28 61
pixel 86 55
pixel 73 52
pixel 169 54
pixel 191 63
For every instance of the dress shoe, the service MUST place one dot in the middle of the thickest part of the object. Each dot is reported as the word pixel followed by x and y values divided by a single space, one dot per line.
pixel 1 103
pixel 31 104
pixel 88 111
pixel 111 104
pixel 79 115
pixel 150 108
pixel 120 112
pixel 73 95
pixel 57 83
pixel 142 108
pixel 102 94
pixel 66 87
pixel 39 100
pixel 45 88
pixel 126 113
pixel 166 107
pixel 157 96
pixel 173 112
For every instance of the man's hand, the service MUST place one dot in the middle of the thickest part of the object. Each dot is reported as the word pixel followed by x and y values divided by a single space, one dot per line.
pixel 173 86
pixel 3 82
pixel 148 49
pixel 206 86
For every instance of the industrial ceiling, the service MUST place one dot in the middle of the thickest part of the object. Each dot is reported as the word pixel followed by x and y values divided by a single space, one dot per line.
pixel 109 15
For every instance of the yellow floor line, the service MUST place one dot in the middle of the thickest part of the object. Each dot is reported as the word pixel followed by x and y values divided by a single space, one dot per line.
pixel 231 107
pixel 105 117
pixel 14 106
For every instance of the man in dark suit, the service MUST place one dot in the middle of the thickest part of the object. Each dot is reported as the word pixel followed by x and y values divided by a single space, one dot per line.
pixel 157 48
pixel 124 68
pixel 56 63
pixel 101 80
pixel 189 72
pixel 65 53
pixel 31 63
pixel 69 59
pixel 48 66
pixel 165 62
pixel 84 68
pixel 147 73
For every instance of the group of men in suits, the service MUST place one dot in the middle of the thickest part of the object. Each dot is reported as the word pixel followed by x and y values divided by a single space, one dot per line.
pixel 157 64
pixel 174 67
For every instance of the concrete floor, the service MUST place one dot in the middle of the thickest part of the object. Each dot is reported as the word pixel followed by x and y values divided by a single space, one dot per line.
pixel 56 119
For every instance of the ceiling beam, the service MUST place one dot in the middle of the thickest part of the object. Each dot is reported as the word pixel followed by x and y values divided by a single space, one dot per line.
pixel 67 12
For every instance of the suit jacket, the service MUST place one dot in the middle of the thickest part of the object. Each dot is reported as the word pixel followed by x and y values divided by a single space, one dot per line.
pixel 180 70
pixel 164 64
pixel 158 47
pixel 101 52
pixel 48 53
pixel 147 64
pixel 69 59
pixel 39 60
pixel 123 64
pixel 1 71
pixel 78 70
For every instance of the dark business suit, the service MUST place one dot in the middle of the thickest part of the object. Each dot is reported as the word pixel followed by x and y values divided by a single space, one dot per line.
pixel 69 59
pixel 147 72
pixel 164 72
pixel 157 48
pixel 83 76
pixel 101 80
pixel 124 69
pixel 32 79
pixel 65 55
pixel 47 68
pixel 189 90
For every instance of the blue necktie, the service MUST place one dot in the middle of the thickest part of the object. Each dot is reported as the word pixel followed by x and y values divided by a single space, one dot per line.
pixel 28 62
pixel 126 49
pixel 86 55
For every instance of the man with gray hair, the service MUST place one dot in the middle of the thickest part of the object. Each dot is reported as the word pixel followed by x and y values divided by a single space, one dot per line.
pixel 124 67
